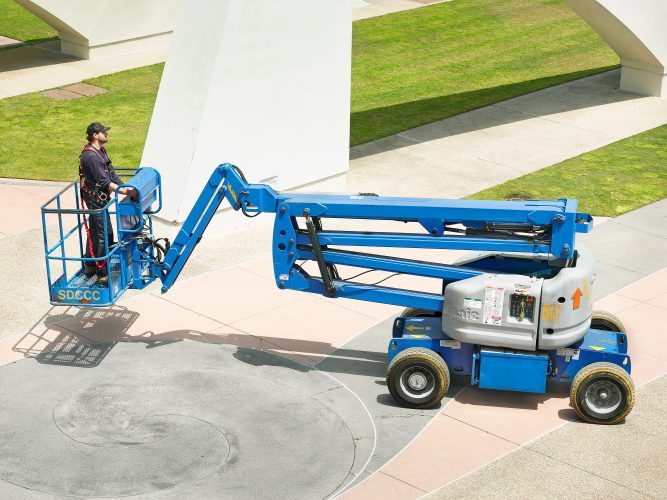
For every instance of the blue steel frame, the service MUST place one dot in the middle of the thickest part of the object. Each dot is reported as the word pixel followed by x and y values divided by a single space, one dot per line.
pixel 292 243
pixel 463 359
pixel 126 260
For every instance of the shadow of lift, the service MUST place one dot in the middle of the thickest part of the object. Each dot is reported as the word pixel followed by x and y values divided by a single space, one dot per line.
pixel 84 337
pixel 53 339
pixel 491 398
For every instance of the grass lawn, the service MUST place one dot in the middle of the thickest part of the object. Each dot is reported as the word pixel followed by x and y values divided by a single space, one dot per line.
pixel 419 66
pixel 41 138
pixel 409 68
pixel 19 24
pixel 608 181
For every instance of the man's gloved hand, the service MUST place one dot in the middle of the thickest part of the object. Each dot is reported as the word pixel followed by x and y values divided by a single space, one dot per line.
pixel 131 192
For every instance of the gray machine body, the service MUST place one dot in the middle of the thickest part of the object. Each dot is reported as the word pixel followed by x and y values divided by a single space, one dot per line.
pixel 522 312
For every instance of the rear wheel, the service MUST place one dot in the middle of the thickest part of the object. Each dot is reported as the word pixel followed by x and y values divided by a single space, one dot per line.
pixel 414 312
pixel 603 320
pixel 602 393
pixel 418 378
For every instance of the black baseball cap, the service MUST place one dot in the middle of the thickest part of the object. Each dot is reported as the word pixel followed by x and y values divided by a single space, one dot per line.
pixel 96 128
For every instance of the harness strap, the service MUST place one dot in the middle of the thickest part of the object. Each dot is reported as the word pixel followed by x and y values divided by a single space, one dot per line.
pixel 81 176
pixel 90 148
pixel 84 187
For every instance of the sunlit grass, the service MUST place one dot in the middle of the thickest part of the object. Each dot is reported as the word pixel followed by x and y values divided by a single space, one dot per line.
pixel 608 181
pixel 19 24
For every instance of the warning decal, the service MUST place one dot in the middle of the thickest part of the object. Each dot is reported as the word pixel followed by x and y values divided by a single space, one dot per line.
pixel 568 353
pixel 493 305
pixel 451 343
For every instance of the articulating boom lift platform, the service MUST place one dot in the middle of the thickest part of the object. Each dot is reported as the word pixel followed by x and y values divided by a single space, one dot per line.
pixel 514 314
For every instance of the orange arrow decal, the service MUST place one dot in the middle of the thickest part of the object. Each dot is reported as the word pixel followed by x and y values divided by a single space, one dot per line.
pixel 576 299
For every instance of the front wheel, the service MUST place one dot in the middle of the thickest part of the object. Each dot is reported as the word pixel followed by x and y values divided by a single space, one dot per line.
pixel 418 378
pixel 602 393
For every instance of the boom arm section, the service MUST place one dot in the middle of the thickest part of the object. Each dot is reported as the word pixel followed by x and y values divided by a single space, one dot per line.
pixel 544 228
pixel 227 181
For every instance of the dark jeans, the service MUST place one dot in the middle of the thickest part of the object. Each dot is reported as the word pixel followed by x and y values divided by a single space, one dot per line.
pixel 96 228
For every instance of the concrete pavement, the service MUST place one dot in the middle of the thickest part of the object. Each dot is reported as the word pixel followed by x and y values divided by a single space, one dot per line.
pixel 363 9
pixel 629 248
pixel 176 420
pixel 482 430
pixel 234 307
pixel 32 68
pixel 582 461
pixel 170 369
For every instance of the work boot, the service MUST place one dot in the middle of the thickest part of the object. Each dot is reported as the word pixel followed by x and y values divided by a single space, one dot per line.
pixel 102 279
pixel 90 269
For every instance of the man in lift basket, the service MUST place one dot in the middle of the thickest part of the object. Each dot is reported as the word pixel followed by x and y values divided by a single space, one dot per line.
pixel 97 180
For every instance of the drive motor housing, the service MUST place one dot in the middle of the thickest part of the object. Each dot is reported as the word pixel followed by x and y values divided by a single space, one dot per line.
pixel 522 311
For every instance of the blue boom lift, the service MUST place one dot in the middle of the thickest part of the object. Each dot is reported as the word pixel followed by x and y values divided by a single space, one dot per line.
pixel 516 313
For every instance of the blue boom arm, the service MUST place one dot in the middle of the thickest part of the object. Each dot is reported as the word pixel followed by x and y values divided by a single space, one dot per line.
pixel 536 227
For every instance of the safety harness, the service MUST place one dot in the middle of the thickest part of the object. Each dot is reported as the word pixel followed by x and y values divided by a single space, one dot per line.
pixel 95 196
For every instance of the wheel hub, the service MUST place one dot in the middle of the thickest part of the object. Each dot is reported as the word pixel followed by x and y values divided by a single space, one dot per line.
pixel 603 397
pixel 417 381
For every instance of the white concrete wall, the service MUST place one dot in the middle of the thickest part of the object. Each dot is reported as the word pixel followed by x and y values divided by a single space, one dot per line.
pixel 637 31
pixel 263 85
pixel 106 28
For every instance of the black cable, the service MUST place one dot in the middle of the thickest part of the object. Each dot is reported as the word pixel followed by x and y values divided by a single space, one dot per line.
pixel 240 172
pixel 246 213
pixel 160 251
pixel 385 279
pixel 370 271
pixel 360 274
pixel 242 203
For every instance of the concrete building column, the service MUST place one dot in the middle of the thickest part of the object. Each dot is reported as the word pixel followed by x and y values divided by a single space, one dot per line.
pixel 107 28
pixel 263 85
pixel 636 31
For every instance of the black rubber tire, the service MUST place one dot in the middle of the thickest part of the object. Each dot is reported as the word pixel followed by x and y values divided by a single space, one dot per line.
pixel 612 376
pixel 603 320
pixel 419 362
pixel 413 312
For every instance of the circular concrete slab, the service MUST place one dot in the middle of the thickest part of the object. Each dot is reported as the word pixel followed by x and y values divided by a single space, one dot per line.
pixel 178 419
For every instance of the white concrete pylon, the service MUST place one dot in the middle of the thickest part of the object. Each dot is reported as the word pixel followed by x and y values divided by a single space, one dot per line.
pixel 106 28
pixel 636 32
pixel 263 85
